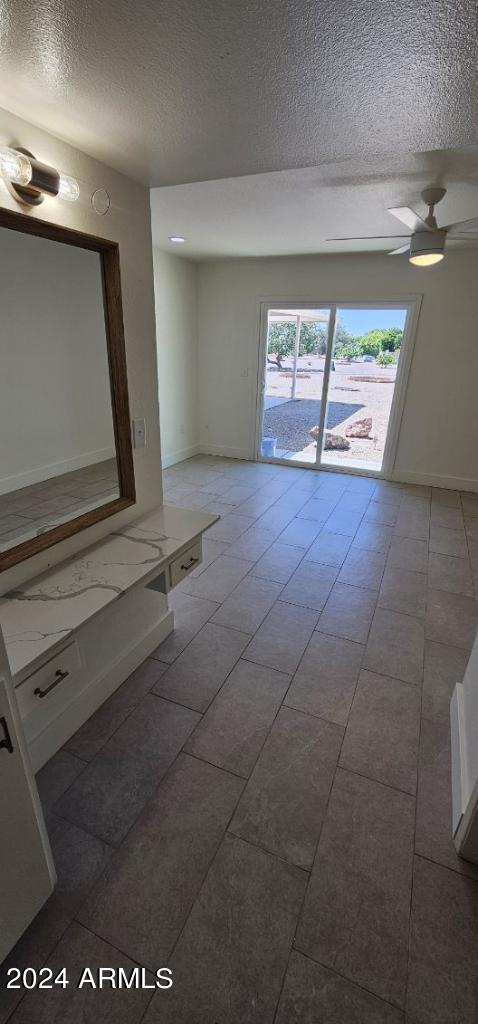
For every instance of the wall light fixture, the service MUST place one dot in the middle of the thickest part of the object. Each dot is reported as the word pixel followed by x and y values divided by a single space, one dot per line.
pixel 29 181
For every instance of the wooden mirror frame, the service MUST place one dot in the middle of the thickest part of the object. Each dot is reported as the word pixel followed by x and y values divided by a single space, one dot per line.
pixel 113 310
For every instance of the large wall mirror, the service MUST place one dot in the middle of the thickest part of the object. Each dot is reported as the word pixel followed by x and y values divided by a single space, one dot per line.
pixel 65 441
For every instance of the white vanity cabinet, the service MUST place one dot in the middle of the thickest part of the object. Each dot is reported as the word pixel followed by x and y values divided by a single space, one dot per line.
pixel 63 691
pixel 76 633
pixel 26 869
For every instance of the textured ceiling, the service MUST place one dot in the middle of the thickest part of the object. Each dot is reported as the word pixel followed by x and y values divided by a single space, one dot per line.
pixel 291 212
pixel 174 91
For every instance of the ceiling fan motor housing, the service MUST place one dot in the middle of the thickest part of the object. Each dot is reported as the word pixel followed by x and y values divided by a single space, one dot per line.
pixel 424 242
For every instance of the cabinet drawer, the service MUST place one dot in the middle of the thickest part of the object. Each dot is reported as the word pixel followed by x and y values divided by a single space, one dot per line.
pixel 185 564
pixel 51 683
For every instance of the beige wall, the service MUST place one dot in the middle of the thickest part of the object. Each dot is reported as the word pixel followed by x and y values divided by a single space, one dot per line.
pixel 175 285
pixel 439 430
pixel 128 223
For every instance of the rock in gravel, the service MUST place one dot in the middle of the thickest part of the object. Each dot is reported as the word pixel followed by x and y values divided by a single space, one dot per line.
pixel 336 441
pixel 331 440
pixel 359 428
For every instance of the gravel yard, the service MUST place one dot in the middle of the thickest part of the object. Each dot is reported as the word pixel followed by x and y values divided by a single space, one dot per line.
pixel 290 423
pixel 349 399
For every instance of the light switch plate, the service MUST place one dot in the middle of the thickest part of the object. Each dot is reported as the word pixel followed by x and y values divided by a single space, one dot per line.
pixel 139 433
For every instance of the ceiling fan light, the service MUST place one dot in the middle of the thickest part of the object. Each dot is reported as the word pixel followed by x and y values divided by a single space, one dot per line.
pixel 427 248
pixel 426 259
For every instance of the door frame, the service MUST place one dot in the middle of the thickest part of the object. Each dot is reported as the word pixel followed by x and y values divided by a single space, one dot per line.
pixel 412 304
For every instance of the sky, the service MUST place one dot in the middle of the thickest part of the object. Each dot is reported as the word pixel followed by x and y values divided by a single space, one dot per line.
pixel 358 321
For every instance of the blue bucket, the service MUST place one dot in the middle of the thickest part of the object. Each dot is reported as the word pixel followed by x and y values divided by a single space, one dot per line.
pixel 268 447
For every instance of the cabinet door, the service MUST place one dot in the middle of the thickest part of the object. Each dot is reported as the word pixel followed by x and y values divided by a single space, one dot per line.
pixel 26 868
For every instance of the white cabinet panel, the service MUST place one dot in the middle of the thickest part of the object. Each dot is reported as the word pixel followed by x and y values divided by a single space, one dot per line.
pixel 26 868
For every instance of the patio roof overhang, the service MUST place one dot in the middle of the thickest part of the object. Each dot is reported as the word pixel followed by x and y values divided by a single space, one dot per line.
pixel 313 316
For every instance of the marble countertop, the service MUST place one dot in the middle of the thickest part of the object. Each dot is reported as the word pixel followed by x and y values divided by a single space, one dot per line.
pixel 45 611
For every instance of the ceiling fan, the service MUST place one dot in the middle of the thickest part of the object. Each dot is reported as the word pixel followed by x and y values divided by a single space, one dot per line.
pixel 426 244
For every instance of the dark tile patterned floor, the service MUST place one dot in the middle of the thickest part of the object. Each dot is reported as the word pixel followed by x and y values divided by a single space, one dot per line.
pixel 264 805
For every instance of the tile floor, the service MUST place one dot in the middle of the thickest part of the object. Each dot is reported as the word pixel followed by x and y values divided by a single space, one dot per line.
pixel 31 511
pixel 264 805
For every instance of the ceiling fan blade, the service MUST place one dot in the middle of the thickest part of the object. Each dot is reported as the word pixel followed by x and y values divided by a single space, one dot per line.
pixel 364 238
pixel 462 228
pixel 409 217
pixel 397 252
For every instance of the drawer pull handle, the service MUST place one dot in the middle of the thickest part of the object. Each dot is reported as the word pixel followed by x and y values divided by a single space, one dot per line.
pixel 59 677
pixel 192 561
pixel 6 742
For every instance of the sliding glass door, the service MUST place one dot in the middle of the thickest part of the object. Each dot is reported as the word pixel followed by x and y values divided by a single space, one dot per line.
pixel 328 384
pixel 296 347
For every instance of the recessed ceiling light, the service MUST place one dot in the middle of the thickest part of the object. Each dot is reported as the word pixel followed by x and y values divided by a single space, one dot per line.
pixel 176 238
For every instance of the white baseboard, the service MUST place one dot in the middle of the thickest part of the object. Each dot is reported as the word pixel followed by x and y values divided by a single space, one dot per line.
pixel 179 456
pixel 225 451
pixel 47 742
pixel 453 483
pixel 38 475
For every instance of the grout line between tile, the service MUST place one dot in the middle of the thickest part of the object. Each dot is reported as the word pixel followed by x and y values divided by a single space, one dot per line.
pixel 333 970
